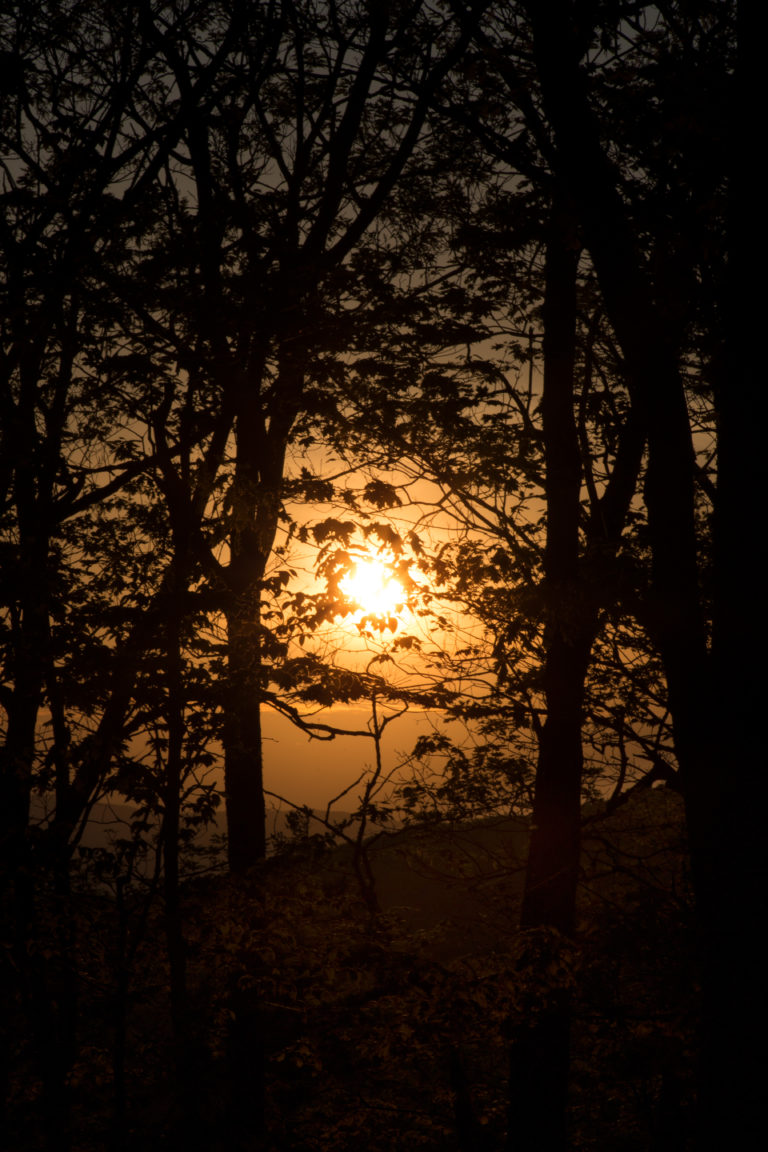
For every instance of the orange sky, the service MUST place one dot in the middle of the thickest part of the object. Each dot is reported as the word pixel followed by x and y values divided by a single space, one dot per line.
pixel 314 771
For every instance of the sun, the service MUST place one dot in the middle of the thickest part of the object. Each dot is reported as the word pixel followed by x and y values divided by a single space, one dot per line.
pixel 372 587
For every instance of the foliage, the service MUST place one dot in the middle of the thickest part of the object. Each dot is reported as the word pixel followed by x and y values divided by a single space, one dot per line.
pixel 373 1029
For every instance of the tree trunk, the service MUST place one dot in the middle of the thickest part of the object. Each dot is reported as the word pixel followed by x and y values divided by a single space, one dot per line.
pixel 36 973
pixel 251 537
pixel 262 430
pixel 539 1058
pixel 734 1068
pixel 243 755
pixel 191 1130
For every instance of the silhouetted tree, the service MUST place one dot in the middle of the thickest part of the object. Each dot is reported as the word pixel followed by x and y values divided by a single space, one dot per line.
pixel 284 175
pixel 651 270
pixel 68 140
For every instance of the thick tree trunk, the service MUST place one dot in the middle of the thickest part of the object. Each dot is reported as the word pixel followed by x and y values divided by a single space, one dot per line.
pixel 262 430
pixel 190 1074
pixel 539 1058
pixel 254 521
pixel 38 987
pixel 243 755
pixel 735 1058
pixel 554 852
pixel 553 859
pixel 30 639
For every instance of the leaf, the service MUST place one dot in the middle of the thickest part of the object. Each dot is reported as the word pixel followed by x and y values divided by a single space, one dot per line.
pixel 382 495
pixel 386 534
pixel 331 529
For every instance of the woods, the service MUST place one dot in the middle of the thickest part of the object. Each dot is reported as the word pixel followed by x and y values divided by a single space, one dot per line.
pixel 285 286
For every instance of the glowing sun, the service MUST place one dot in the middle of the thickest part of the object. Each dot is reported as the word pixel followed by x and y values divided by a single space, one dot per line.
pixel 372 587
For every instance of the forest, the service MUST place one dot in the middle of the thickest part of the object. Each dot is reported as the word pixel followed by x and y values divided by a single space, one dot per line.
pixel 391 360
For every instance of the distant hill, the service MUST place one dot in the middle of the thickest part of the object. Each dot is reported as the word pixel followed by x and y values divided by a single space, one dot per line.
pixel 360 1024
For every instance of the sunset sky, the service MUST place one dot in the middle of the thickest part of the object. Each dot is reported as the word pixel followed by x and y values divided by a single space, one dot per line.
pixel 312 772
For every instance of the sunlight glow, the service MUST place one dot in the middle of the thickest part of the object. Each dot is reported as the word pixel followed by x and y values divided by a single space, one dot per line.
pixel 372 587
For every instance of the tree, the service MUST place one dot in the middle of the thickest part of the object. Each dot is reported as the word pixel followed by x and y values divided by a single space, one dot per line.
pixel 673 592
pixel 288 162
pixel 65 151
pixel 641 282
